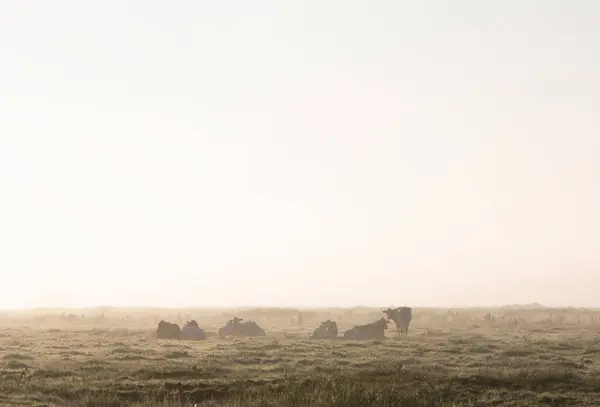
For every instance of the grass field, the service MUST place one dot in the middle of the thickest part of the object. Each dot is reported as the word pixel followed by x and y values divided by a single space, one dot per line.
pixel 461 357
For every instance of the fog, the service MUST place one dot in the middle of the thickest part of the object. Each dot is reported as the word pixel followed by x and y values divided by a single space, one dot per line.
pixel 312 153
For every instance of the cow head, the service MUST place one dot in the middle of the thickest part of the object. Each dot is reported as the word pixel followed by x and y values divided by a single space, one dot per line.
pixel 383 322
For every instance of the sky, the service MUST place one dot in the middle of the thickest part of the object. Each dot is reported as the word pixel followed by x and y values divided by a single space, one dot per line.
pixel 308 153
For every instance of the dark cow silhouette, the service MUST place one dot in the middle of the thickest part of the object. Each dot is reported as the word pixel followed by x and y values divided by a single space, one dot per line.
pixel 374 330
pixel 192 332
pixel 327 330
pixel 167 330
pixel 401 317
pixel 235 327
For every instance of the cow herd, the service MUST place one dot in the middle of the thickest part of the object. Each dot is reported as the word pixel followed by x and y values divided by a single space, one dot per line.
pixel 190 331
pixel 401 316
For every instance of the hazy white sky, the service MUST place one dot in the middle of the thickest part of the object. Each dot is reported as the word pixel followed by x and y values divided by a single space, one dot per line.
pixel 299 152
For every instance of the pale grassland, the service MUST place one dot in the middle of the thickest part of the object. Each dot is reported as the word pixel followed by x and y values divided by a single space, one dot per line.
pixel 461 357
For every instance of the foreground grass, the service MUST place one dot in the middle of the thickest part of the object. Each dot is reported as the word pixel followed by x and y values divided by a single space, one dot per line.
pixel 460 362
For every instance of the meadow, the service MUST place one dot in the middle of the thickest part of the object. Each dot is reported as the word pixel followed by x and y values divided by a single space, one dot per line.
pixel 511 356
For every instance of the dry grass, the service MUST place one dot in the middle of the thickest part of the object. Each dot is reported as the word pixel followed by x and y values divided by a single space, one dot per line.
pixel 450 358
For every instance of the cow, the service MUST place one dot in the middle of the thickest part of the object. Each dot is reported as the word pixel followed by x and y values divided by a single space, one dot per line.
pixel 192 332
pixel 168 330
pixel 235 327
pixel 374 330
pixel 327 330
pixel 401 317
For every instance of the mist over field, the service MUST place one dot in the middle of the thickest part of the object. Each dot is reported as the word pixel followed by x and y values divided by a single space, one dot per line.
pixel 305 154
pixel 311 203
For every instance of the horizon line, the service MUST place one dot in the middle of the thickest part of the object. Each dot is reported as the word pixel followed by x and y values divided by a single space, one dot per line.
pixel 288 307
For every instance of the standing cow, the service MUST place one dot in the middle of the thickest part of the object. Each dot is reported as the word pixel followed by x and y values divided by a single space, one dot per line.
pixel 401 317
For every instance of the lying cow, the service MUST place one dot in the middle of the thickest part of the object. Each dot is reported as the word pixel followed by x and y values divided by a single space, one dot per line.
pixel 375 330
pixel 327 330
